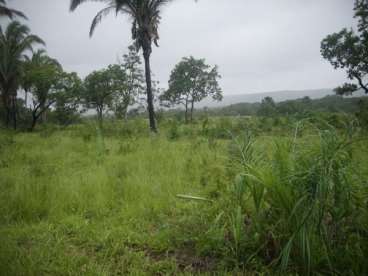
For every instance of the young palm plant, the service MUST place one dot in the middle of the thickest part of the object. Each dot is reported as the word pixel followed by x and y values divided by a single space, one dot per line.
pixel 10 13
pixel 15 41
pixel 300 206
pixel 145 16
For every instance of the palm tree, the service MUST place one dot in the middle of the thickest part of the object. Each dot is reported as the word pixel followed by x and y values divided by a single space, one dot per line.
pixel 145 16
pixel 11 13
pixel 15 41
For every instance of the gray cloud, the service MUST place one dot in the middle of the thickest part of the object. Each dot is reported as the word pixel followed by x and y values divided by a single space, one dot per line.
pixel 259 45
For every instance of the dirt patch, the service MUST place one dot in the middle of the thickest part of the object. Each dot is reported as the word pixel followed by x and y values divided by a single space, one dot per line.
pixel 186 258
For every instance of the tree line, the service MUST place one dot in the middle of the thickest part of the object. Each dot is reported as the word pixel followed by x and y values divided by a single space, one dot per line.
pixel 47 87
pixel 113 89
pixel 299 107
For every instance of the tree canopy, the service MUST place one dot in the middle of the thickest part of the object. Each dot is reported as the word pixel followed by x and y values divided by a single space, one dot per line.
pixel 191 81
pixel 49 85
pixel 348 50
pixel 102 87
pixel 134 83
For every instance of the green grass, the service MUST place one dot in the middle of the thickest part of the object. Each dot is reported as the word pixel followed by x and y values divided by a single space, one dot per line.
pixel 80 201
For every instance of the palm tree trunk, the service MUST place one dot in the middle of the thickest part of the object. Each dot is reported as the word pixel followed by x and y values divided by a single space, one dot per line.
pixel 6 99
pixel 7 118
pixel 151 111
pixel 14 111
pixel 6 110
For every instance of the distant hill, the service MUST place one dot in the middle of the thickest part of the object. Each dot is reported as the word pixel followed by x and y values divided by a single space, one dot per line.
pixel 278 96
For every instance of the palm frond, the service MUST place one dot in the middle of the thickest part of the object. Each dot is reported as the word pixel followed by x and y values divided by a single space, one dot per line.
pixel 30 40
pixel 11 13
pixel 16 29
pixel 145 16
pixel 101 14
pixel 75 3
pixel 130 5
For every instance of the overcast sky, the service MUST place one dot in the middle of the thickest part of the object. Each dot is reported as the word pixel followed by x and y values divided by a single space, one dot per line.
pixel 259 45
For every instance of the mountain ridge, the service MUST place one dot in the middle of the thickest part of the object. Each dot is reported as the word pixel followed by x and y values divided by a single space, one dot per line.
pixel 278 96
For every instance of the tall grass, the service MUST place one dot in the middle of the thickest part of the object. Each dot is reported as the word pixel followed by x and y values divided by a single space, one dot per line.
pixel 103 201
pixel 306 212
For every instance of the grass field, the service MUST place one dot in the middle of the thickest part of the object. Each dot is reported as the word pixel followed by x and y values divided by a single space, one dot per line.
pixel 86 201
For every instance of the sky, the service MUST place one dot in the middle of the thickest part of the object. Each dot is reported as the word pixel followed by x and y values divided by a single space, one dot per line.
pixel 259 45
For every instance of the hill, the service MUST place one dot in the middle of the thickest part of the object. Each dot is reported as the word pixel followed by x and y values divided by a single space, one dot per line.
pixel 278 96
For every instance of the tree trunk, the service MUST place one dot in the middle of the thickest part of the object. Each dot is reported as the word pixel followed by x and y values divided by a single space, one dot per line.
pixel 151 111
pixel 362 85
pixel 99 110
pixel 186 111
pixel 42 109
pixel 6 99
pixel 125 113
pixel 8 116
pixel 191 111
pixel 44 116
pixel 14 111
pixel 34 122
pixel 6 109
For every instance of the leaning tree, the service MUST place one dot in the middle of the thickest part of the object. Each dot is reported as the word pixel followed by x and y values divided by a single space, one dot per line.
pixel 15 41
pixel 145 17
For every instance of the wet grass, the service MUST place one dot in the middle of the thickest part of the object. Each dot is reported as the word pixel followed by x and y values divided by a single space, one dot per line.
pixel 81 201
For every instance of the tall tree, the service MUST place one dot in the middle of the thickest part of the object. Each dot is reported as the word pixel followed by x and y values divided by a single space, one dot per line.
pixel 8 12
pixel 145 16
pixel 15 41
pixel 349 50
pixel 191 81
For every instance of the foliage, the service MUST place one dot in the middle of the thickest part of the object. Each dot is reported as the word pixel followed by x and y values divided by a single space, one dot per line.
pixel 191 81
pixel 297 204
pixel 299 108
pixel 8 12
pixel 102 87
pixel 145 16
pixel 15 41
pixel 267 107
pixel 348 50
pixel 134 84
pixel 50 87
pixel 293 204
